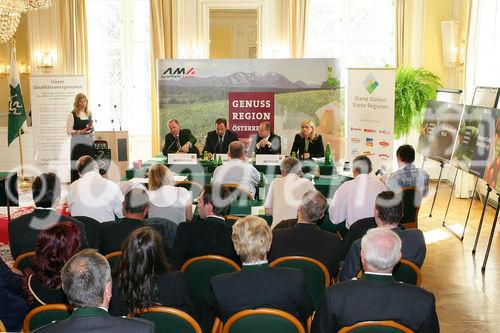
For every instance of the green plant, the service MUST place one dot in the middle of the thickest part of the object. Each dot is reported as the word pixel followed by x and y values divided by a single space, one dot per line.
pixel 414 87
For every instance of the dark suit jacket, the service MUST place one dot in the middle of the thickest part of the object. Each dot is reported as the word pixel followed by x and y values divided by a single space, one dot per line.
pixel 261 286
pixel 211 143
pixel 275 148
pixel 98 320
pixel 24 230
pixel 194 239
pixel 184 136
pixel 310 241
pixel 113 234
pixel 413 248
pixel 315 148
pixel 12 305
pixel 376 298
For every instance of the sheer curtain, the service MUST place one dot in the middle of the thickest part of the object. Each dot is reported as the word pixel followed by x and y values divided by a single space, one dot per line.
pixel 298 23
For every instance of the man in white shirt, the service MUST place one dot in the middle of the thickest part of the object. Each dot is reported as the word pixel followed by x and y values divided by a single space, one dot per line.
pixel 92 195
pixel 236 170
pixel 355 199
pixel 286 192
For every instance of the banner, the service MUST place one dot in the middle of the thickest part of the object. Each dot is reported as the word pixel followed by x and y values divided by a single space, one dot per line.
pixel 248 91
pixel 370 115
pixel 52 98
pixel 17 113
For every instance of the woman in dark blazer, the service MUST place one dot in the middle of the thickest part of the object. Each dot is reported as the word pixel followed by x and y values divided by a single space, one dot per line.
pixel 308 144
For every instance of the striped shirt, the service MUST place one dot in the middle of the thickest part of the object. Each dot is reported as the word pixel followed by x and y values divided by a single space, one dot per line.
pixel 408 175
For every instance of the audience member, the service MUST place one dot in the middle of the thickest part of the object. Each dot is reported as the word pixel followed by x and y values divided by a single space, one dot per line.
pixel 23 230
pixel 308 144
pixel 178 140
pixel 388 212
pixel 218 140
pixel 237 170
pixel 135 209
pixel 258 285
pixel 12 305
pixel 355 198
pixel 144 278
pixel 54 246
pixel 306 238
pixel 377 296
pixel 265 141
pixel 166 200
pixel 92 195
pixel 211 235
pixel 286 192
pixel 86 280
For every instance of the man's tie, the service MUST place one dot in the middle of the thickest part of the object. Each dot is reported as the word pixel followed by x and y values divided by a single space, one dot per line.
pixel 219 144
pixel 178 143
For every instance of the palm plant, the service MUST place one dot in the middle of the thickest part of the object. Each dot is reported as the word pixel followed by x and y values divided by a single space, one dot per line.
pixel 414 87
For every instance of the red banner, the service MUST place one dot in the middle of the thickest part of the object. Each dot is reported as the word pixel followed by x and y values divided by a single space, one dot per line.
pixel 248 109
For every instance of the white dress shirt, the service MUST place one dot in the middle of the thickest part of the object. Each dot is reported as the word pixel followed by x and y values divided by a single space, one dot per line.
pixel 285 195
pixel 236 171
pixel 95 197
pixel 355 200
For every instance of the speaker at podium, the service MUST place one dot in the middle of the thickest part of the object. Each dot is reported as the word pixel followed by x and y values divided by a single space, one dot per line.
pixel 112 153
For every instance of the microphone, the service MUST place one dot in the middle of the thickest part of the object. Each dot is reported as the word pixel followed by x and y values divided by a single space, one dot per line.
pixel 171 145
pixel 112 124
pixel 117 117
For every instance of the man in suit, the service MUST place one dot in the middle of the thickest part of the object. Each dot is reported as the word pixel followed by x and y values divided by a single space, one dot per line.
pixel 211 235
pixel 258 285
pixel 218 140
pixel 23 230
pixel 178 140
pixel 377 296
pixel 135 209
pixel 86 281
pixel 388 212
pixel 13 306
pixel 265 141
pixel 306 238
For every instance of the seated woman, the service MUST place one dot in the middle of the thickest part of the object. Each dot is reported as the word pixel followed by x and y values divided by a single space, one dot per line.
pixel 143 277
pixel 258 285
pixel 54 246
pixel 308 144
pixel 166 200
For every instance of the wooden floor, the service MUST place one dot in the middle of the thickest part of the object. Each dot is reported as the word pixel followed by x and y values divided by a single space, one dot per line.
pixel 466 299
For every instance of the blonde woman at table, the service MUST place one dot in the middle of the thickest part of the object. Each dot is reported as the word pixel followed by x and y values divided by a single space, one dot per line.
pixel 308 144
pixel 165 200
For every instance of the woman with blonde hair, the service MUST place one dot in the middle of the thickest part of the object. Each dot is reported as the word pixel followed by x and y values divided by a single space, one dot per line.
pixel 80 127
pixel 166 200
pixel 308 144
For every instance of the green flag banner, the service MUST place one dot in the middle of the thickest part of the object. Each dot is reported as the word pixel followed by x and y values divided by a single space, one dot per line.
pixel 17 114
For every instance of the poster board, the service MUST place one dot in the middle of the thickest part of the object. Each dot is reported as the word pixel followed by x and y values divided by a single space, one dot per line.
pixel 486 96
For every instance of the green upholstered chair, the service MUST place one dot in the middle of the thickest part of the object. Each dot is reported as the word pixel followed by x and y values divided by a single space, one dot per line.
pixel 170 320
pixel 407 272
pixel 316 274
pixel 46 314
pixel 386 326
pixel 113 259
pixel 263 320
pixel 24 261
pixel 412 198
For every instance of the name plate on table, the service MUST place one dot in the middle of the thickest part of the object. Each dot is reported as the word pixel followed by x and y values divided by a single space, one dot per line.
pixel 182 159
pixel 262 159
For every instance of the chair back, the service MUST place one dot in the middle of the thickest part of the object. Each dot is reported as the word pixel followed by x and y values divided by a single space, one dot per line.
pixel 170 320
pixel 238 193
pixel 263 320
pixel 200 270
pixel 24 261
pixel 231 219
pixel 170 229
pixel 412 198
pixel 113 259
pixel 44 315
pixel 193 187
pixel 285 224
pixel 316 275
pixel 407 272
pixel 91 230
pixel 386 326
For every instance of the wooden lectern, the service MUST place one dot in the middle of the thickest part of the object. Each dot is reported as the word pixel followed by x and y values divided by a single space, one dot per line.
pixel 118 144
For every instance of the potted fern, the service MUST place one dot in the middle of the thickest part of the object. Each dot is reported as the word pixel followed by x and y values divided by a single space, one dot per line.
pixel 414 87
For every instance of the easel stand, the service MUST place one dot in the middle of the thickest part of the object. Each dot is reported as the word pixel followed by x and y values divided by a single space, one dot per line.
pixel 437 187
pixel 470 207
pixel 493 226
pixel 448 207
pixel 488 190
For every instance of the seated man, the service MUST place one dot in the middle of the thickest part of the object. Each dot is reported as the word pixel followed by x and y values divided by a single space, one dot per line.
pixel 407 175
pixel 13 306
pixel 286 192
pixel 92 195
pixel 23 230
pixel 306 238
pixel 388 212
pixel 218 140
pixel 377 296
pixel 178 140
pixel 237 170
pixel 86 281
pixel 257 285
pixel 265 141
pixel 211 235
pixel 135 209
pixel 355 198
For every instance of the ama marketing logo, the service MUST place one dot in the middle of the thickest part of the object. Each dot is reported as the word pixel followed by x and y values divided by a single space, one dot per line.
pixel 177 72
pixel 370 83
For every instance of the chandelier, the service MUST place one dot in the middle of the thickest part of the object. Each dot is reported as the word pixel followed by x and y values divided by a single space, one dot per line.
pixel 10 14
pixel 37 4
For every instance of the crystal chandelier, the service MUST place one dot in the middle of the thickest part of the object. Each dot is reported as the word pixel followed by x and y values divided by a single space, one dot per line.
pixel 37 4
pixel 10 14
